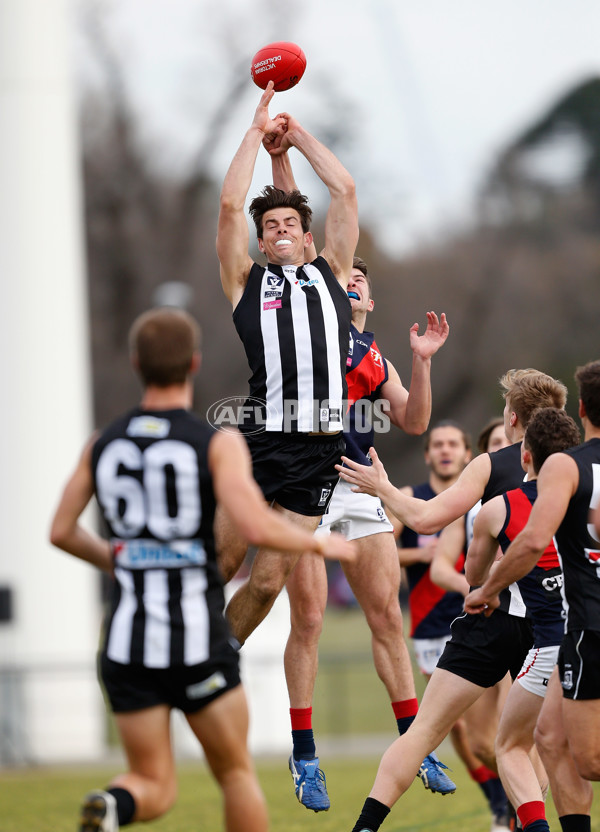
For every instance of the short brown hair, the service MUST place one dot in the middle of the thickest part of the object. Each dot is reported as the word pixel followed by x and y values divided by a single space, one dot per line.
pixel 526 390
pixel 359 263
pixel 550 430
pixel 272 197
pixel 588 382
pixel 162 342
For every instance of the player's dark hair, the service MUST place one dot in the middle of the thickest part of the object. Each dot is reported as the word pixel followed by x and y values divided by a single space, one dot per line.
pixel 162 342
pixel 550 430
pixel 588 382
pixel 527 390
pixel 359 263
pixel 484 436
pixel 448 423
pixel 272 197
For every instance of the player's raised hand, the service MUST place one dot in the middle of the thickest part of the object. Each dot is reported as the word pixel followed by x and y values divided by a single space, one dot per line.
pixel 262 120
pixel 432 339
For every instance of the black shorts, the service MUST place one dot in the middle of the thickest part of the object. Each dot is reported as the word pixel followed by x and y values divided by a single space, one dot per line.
pixel 578 664
pixel 133 687
pixel 297 471
pixel 482 649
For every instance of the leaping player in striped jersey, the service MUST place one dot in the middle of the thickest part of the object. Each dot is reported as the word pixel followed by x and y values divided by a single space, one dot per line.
pixel 293 319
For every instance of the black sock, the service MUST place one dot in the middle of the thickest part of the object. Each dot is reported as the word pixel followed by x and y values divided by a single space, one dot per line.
pixel 404 723
pixel 125 805
pixel 372 816
pixel 540 825
pixel 575 823
pixel 304 744
pixel 495 794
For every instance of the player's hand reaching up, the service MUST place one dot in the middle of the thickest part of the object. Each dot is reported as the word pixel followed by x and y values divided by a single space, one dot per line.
pixel 262 120
pixel 432 339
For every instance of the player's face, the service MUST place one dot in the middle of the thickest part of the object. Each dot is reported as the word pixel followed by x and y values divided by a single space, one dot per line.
pixel 497 439
pixel 447 454
pixel 358 292
pixel 283 240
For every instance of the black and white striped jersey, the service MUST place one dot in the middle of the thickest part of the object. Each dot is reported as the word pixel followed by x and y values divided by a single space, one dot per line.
pixel 577 544
pixel 294 323
pixel 155 492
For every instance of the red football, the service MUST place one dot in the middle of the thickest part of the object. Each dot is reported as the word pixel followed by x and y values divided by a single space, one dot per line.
pixel 281 62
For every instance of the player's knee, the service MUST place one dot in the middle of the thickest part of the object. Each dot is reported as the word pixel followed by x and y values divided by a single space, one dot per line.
pixel 385 619
pixel 307 623
pixel 266 588
pixel 163 799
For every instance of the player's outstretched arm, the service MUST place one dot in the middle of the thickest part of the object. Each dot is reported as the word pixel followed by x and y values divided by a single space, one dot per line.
pixel 411 410
pixel 66 532
pixel 232 231
pixel 424 516
pixel 283 177
pixel 341 224
pixel 237 491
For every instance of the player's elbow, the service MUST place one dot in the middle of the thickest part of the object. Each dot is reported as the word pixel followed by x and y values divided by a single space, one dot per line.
pixel 58 534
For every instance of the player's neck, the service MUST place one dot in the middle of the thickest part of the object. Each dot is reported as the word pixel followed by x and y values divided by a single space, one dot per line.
pixel 359 321
pixel 174 397
pixel 590 431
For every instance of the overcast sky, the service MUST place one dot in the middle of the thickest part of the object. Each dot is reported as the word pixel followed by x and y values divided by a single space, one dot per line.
pixel 439 85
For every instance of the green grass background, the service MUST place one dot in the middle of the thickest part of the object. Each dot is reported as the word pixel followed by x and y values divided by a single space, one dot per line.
pixel 349 702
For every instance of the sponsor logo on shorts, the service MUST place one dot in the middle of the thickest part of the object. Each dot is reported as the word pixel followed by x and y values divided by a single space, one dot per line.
pixel 381 514
pixel 325 492
pixel 200 690
pixel 567 680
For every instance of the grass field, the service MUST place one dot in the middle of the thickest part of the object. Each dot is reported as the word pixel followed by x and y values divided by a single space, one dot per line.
pixel 46 800
pixel 349 701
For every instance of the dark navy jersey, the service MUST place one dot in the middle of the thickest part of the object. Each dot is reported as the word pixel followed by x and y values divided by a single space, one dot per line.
pixel 506 471
pixel 294 324
pixel 155 493
pixel 366 373
pixel 432 609
pixel 540 588
pixel 577 544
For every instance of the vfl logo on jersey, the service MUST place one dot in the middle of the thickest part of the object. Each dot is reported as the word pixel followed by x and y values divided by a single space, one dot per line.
pixel 325 492
pixel 376 356
pixel 149 426
pixel 274 286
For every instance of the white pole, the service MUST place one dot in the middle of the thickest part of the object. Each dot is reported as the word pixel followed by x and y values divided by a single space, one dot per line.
pixel 50 639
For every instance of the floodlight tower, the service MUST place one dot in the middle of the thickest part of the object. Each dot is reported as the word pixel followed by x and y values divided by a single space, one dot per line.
pixel 50 707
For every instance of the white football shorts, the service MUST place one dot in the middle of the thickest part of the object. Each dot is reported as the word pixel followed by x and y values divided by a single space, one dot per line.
pixel 537 669
pixel 354 515
pixel 428 652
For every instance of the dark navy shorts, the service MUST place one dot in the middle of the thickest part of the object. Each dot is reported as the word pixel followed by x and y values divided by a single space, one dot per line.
pixel 578 664
pixel 133 687
pixel 482 650
pixel 297 471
